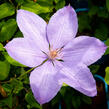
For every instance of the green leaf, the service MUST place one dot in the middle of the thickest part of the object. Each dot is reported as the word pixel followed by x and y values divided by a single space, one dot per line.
pixel 56 1
pixel 18 34
pixel 60 4
pixel 101 32
pixel 12 61
pixel 7 101
pixel 102 13
pixel 107 75
pixel 31 101
pixel 19 2
pixel 93 10
pixel 76 102
pixel 68 100
pixel 1 47
pixel 107 42
pixel 2 23
pixel 84 22
pixel 86 99
pixel 45 16
pixel 56 99
pixel 63 91
pixel 107 4
pixel 64 85
pixel 8 30
pixel 36 8
pixel 107 50
pixel 17 86
pixel 94 68
pixel 8 88
pixel 45 3
pixel 4 69
pixel 6 10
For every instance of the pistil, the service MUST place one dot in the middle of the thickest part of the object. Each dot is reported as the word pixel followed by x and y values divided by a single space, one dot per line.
pixel 53 54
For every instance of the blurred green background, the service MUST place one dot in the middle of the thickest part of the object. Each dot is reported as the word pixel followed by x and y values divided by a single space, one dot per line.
pixel 15 92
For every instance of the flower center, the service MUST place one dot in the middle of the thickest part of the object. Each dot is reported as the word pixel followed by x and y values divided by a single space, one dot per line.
pixel 53 54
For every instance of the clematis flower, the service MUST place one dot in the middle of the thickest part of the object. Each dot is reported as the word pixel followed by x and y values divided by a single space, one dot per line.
pixel 63 58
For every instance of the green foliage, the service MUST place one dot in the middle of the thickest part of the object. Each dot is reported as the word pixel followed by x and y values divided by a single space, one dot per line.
pixel 4 69
pixel 94 68
pixel 13 87
pixel 93 11
pixel 19 2
pixel 107 75
pixel 36 8
pixel 71 96
pixel 6 101
pixel 107 5
pixel 86 99
pixel 8 88
pixel 31 101
pixel 84 22
pixel 102 12
pixel 1 47
pixel 17 85
pixel 2 23
pixel 101 35
pixel 6 10
pixel 76 101
pixel 18 34
pixel 8 30
pixel 59 4
pixel 107 43
pixel 45 3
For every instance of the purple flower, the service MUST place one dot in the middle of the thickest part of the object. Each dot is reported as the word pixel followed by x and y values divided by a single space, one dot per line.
pixel 68 57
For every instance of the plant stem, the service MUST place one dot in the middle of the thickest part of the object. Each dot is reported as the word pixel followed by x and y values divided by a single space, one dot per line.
pixel 11 2
pixel 41 107
pixel 25 73
pixel 20 77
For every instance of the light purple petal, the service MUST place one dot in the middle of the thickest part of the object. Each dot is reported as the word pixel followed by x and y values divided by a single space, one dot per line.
pixel 33 27
pixel 44 83
pixel 83 49
pixel 80 78
pixel 25 52
pixel 62 27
